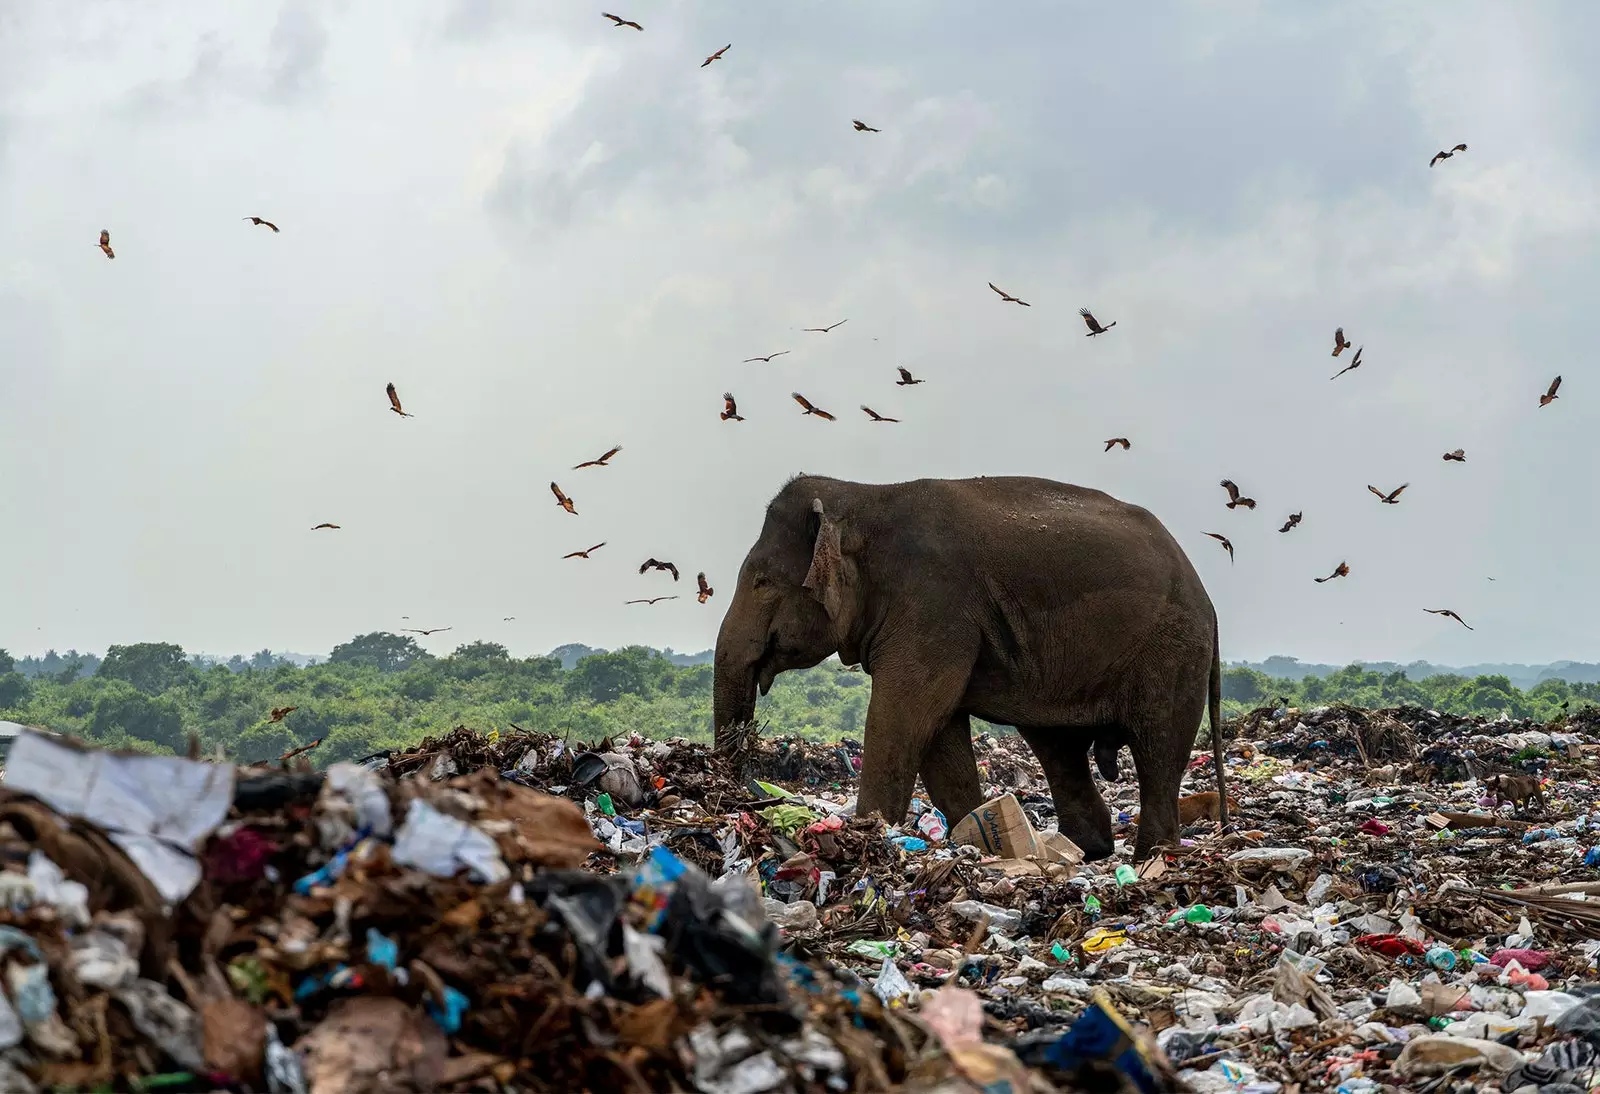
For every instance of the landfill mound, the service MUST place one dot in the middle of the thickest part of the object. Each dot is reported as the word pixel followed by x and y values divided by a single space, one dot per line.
pixel 503 912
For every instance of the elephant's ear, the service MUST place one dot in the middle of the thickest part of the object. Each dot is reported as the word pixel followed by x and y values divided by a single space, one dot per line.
pixel 824 577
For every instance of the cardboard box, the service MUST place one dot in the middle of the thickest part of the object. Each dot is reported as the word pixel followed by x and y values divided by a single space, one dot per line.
pixel 998 827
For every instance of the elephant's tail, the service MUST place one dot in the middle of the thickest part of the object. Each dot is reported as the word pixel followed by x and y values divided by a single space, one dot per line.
pixel 1215 710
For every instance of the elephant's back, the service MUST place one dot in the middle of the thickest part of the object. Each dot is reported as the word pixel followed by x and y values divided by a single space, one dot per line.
pixel 1066 538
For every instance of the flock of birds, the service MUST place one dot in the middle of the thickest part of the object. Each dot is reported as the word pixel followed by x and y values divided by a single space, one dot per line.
pixel 1237 500
pixel 730 412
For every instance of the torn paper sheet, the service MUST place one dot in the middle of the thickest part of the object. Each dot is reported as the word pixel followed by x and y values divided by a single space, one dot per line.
pixel 159 809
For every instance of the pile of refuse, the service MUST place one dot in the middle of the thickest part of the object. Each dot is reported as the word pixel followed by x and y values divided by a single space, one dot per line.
pixel 505 912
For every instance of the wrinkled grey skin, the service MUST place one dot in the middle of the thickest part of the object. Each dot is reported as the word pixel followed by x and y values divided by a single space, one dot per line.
pixel 1053 608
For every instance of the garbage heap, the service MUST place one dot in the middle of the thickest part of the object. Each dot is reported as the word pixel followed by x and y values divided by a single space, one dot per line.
pixel 430 921
pixel 508 912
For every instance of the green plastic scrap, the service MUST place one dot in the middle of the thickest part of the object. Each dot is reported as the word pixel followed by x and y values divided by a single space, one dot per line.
pixel 788 819
pixel 876 950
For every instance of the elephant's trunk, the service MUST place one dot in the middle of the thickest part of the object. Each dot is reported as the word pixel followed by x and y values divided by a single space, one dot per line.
pixel 733 689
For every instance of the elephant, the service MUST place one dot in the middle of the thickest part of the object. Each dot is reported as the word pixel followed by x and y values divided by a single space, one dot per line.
pixel 1056 609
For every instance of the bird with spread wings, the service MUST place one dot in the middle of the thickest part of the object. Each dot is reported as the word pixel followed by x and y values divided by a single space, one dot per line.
pixel 730 409
pixel 810 409
pixel 1234 500
pixel 562 499
pixel 584 554
pixel 1094 324
pixel 603 461
pixel 705 590
pixel 655 564
pixel 394 402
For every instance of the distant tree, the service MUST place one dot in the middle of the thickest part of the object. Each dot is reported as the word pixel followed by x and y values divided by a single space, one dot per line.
pixel 380 650
pixel 263 743
pixel 573 652
pixel 604 677
pixel 14 689
pixel 7 662
pixel 123 707
pixel 152 667
pixel 1245 685
pixel 482 651
pixel 263 660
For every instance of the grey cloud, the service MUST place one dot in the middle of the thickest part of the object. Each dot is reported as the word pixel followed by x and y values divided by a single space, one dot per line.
pixel 296 51
pixel 555 236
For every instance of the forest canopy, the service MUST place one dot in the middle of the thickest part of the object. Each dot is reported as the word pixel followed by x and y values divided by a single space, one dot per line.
pixel 380 691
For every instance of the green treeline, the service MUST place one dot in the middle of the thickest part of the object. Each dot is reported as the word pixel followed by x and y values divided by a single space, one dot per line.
pixel 381 691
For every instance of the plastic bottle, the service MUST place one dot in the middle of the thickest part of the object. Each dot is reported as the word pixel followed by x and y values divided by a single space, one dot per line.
pixel 1198 914
pixel 1091 906
pixel 1126 875
pixel 1442 958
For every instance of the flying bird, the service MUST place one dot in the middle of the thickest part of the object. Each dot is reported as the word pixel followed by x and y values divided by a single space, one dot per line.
pixel 717 55
pixel 730 409
pixel 1448 614
pixel 651 600
pixel 1294 519
pixel 1094 324
pixel 280 713
pixel 1392 497
pixel 705 590
pixel 861 126
pixel 394 402
pixel 619 21
pixel 1114 441
pixel 258 222
pixel 1550 396
pixel 906 379
pixel 562 499
pixel 1339 343
pixel 1342 570
pixel 1227 544
pixel 825 330
pixel 1355 362
pixel 809 409
pixel 1437 156
pixel 1234 500
pixel 425 631
pixel 105 243
pixel 1007 298
pixel 508 619
pixel 768 357
pixel 875 416
pixel 652 564
pixel 1458 456
pixel 320 527
pixel 602 461
pixel 585 554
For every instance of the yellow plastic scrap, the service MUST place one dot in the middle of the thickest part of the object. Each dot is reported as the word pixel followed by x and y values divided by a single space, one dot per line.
pixel 1102 939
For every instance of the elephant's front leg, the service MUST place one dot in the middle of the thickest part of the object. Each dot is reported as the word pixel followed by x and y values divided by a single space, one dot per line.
pixel 950 771
pixel 910 706
pixel 1081 813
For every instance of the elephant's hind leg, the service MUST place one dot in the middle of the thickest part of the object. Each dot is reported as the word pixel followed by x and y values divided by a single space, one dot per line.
pixel 1160 748
pixel 950 771
pixel 1081 813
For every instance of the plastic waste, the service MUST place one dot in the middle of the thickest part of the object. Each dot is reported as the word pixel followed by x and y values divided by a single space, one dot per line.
pixel 1126 875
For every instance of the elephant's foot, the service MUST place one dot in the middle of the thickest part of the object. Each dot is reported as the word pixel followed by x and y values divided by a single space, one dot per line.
pixel 1081 813
pixel 1149 840
pixel 1095 840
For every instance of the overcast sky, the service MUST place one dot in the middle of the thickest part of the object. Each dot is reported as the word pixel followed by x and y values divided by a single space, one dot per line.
pixel 555 236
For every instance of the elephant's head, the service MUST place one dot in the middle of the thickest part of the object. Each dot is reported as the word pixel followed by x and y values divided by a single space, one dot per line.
pixel 798 597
